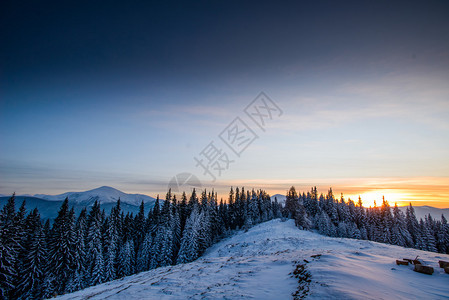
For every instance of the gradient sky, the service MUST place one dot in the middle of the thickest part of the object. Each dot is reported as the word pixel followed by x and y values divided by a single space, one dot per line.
pixel 126 95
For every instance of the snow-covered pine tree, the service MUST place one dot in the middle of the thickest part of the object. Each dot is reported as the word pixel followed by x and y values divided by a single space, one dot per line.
pixel 412 224
pixel 343 210
pixel 325 226
pixel 94 244
pixel 9 248
pixel 224 215
pixel 443 236
pixel 166 254
pixel 253 209
pixel 139 225
pixel 124 261
pixel 216 226
pixel 183 210
pixel 429 243
pixel 144 254
pixel 330 206
pixel 112 241
pixel 342 229
pixel 386 222
pixel 311 202
pixel 61 259
pixel 291 203
pixel 353 231
pixel 31 271
pixel 205 237
pixel 300 215
pixel 241 203
pixel 190 247
pixel 156 215
pixel 21 232
pixel 232 218
pixel 399 233
pixel 352 210
pixel 175 227
pixel 77 280
pixel 275 208
pixel 359 217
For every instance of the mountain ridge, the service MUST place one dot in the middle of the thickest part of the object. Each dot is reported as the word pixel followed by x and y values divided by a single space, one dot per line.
pixel 104 194
pixel 48 205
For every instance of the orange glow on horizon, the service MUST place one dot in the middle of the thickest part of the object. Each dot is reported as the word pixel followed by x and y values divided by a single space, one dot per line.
pixel 420 191
pixel 375 197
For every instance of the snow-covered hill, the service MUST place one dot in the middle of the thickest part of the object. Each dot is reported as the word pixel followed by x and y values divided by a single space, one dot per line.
pixel 104 194
pixel 258 264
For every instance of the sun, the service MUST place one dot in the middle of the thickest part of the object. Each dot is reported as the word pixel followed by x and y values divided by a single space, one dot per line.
pixel 374 197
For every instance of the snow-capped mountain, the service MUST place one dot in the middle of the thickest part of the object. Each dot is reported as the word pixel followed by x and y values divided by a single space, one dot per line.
pixel 104 194
pixel 275 259
pixel 279 197
pixel 48 205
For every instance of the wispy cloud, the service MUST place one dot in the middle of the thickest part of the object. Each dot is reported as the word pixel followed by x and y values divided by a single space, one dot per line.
pixel 416 99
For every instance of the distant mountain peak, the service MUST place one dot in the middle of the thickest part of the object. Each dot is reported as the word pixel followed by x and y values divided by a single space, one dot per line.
pixel 280 198
pixel 104 188
pixel 104 194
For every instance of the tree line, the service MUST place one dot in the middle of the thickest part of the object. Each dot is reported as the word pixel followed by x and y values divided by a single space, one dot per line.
pixel 340 218
pixel 39 260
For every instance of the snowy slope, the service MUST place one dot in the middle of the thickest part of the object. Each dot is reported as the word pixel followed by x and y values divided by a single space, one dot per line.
pixel 104 194
pixel 257 264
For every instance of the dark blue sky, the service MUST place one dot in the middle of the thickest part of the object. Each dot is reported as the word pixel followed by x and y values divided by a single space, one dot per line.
pixel 139 43
pixel 126 94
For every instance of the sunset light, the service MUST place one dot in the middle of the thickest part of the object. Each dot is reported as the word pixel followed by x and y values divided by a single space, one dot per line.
pixel 374 198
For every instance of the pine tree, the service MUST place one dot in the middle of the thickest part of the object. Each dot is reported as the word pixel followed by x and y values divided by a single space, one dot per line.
pixel 144 255
pixel 429 243
pixel 291 203
pixel 343 210
pixel 125 266
pixel 111 251
pixel 386 222
pixel 443 236
pixel 325 226
pixel 167 247
pixel 360 214
pixel 190 247
pixel 139 226
pixel 412 224
pixel 400 234
pixel 32 268
pixel 275 207
pixel 61 254
pixel 156 214
pixel 353 231
pixel 183 211
pixel 175 227
pixel 9 248
pixel 95 268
